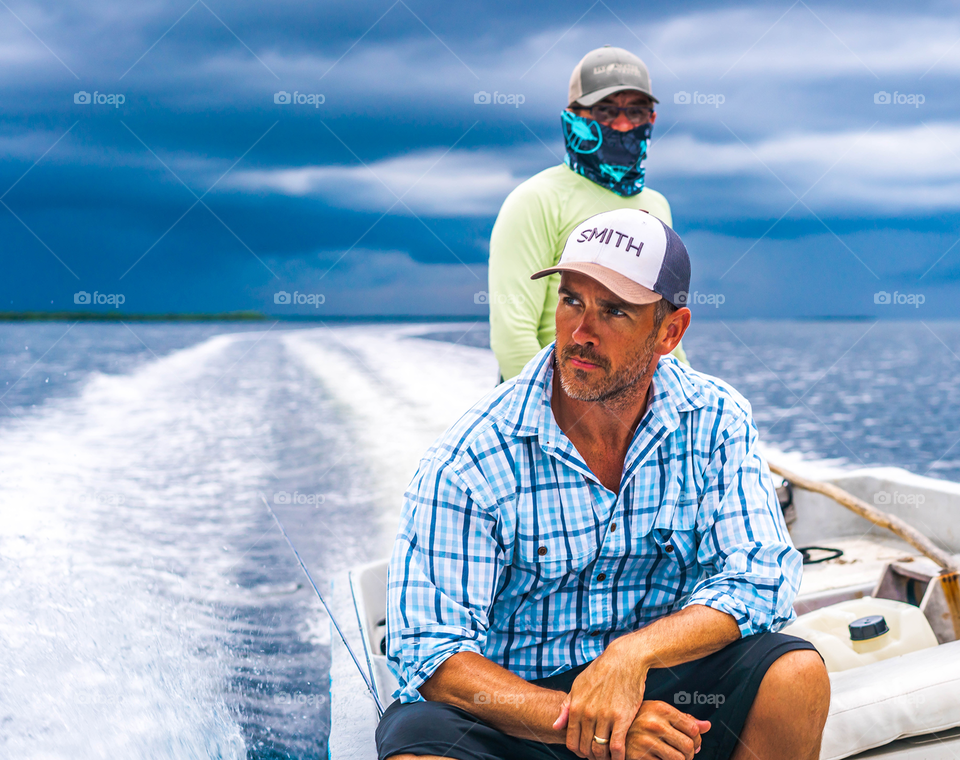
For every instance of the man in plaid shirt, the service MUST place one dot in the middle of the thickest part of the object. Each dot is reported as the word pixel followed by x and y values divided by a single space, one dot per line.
pixel 592 561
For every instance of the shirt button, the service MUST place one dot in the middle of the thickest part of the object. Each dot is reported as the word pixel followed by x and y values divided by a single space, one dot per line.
pixel 613 527
pixel 669 547
pixel 602 577
pixel 542 551
pixel 595 633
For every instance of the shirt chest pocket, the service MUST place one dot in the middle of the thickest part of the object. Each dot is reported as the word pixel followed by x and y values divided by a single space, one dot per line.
pixel 553 556
pixel 542 566
pixel 674 535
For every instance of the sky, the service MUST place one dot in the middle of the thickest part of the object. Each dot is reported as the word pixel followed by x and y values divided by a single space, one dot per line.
pixel 814 172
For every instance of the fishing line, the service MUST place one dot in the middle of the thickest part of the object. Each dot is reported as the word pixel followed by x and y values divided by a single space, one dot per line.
pixel 373 692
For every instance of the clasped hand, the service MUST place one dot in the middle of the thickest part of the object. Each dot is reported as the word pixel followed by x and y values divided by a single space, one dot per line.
pixel 606 701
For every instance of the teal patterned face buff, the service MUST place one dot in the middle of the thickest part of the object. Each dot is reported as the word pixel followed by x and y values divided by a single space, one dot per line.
pixel 603 155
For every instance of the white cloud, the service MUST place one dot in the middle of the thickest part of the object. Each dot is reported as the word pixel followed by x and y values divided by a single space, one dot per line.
pixel 461 183
pixel 907 168
pixel 889 170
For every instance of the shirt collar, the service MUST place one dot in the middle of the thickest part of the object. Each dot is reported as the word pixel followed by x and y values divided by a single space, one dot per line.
pixel 676 390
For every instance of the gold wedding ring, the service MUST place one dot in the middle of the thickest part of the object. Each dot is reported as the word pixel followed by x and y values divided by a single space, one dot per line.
pixel 600 741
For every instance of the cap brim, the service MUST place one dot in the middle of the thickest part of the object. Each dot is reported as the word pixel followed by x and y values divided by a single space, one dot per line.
pixel 623 287
pixel 595 97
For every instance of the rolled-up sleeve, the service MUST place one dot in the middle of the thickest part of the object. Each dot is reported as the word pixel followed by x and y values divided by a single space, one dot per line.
pixel 442 576
pixel 751 569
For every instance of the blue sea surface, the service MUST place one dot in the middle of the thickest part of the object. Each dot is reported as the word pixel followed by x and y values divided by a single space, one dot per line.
pixel 148 605
pixel 859 392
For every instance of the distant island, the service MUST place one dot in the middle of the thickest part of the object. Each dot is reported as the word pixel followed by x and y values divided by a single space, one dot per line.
pixel 227 316
pixel 118 316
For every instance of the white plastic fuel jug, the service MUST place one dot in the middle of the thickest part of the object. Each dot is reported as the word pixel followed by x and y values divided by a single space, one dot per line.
pixel 861 631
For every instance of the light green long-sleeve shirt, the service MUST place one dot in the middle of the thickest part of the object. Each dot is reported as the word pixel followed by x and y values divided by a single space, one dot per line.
pixel 528 236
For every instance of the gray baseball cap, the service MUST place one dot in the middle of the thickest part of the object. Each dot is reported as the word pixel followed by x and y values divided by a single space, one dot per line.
pixel 607 70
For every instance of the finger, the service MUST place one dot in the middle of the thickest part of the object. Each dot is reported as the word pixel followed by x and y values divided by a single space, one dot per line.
pixel 587 732
pixel 604 729
pixel 561 722
pixel 664 751
pixel 654 748
pixel 687 723
pixel 681 742
pixel 573 731
pixel 618 740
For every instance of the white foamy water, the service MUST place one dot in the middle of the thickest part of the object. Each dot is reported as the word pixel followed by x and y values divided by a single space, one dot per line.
pixel 108 563
pixel 147 606
pixel 400 393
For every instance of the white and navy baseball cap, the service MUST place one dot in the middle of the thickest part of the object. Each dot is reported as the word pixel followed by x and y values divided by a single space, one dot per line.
pixel 631 253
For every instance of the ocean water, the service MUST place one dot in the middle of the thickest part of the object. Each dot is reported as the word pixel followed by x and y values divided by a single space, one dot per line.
pixel 148 605
pixel 860 393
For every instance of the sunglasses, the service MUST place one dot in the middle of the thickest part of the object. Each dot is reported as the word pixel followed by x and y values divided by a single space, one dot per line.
pixel 636 115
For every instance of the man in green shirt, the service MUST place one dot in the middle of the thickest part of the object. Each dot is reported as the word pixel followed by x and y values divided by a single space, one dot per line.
pixel 606 127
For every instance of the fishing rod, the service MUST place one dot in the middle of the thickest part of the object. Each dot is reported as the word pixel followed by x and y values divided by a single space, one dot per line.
pixel 373 692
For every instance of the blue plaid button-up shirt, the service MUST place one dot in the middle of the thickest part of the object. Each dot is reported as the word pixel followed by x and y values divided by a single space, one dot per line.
pixel 510 547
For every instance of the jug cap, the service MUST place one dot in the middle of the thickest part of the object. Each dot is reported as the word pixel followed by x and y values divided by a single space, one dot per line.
pixel 868 627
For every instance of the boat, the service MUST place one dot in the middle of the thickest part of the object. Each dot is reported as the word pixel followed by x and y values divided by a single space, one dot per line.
pixel 905 707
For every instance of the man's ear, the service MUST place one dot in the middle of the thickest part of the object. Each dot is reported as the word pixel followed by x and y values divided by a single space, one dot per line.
pixel 672 330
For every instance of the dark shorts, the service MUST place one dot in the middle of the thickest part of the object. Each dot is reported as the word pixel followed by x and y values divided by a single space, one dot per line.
pixel 734 673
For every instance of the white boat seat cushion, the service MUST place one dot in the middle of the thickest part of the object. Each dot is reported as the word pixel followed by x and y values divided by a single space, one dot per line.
pixel 914 694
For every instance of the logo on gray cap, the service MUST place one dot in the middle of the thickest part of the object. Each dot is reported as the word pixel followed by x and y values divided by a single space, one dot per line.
pixel 607 70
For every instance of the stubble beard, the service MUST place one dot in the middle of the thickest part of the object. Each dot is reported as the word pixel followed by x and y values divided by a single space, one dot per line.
pixel 619 389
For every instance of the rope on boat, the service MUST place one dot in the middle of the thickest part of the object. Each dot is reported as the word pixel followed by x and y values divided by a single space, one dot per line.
pixel 949 577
